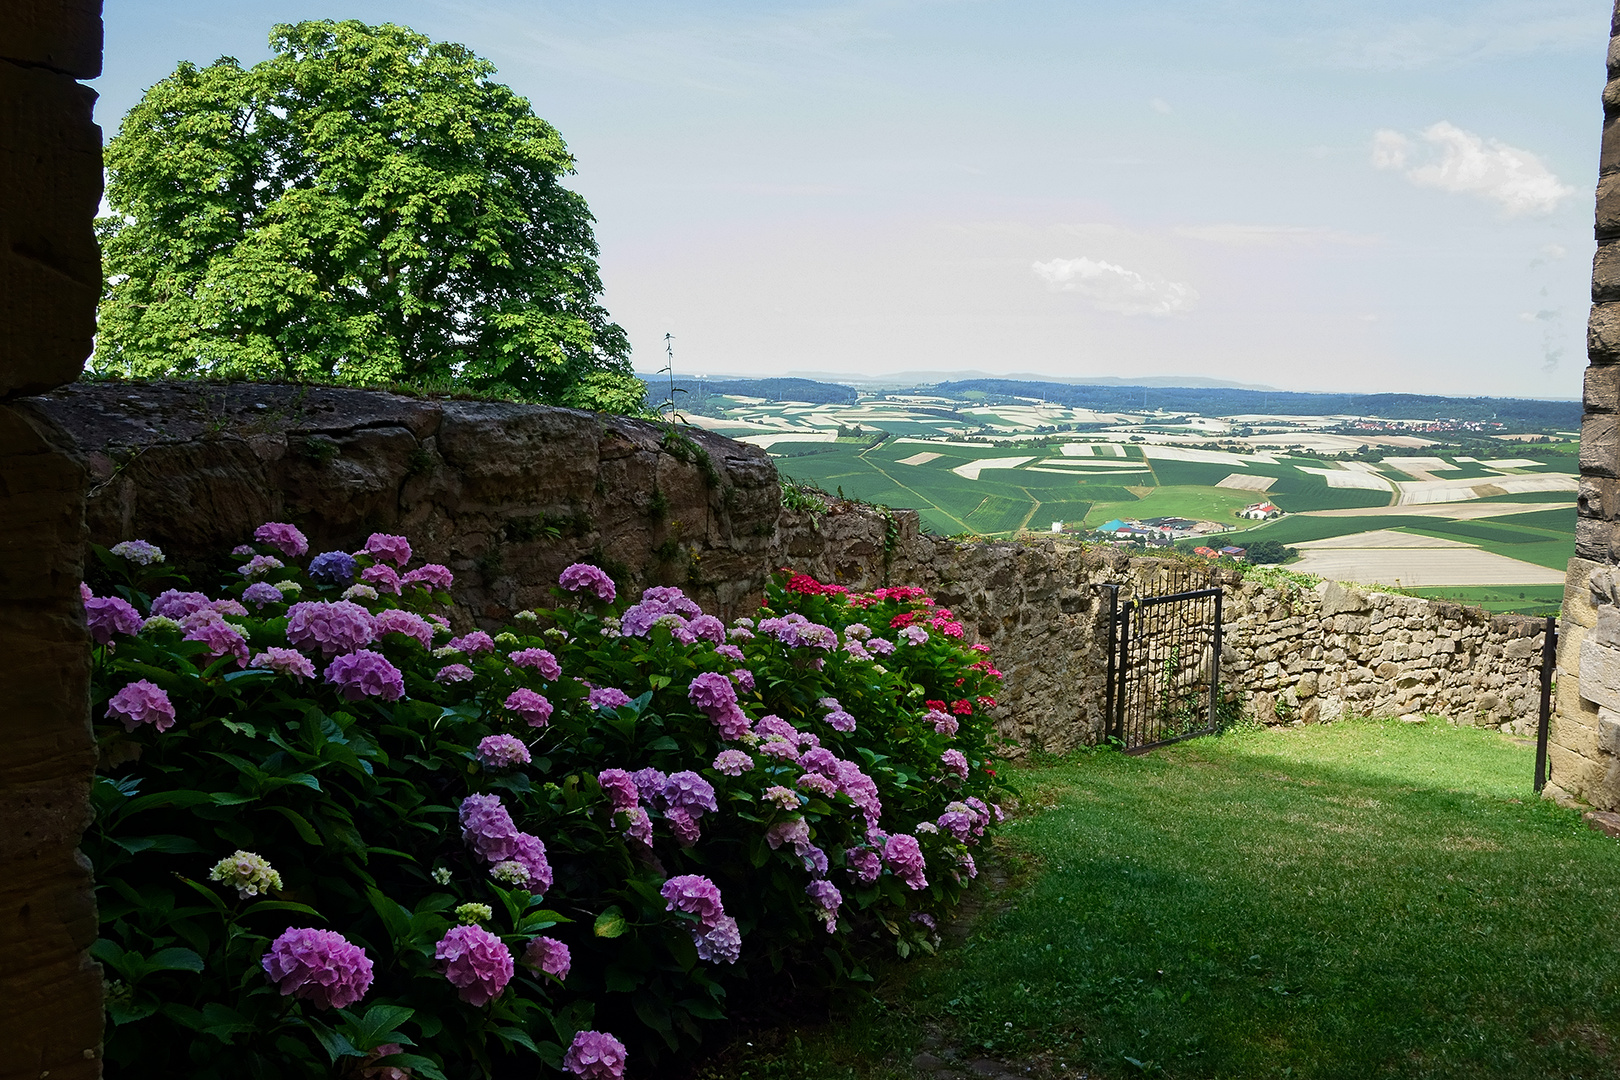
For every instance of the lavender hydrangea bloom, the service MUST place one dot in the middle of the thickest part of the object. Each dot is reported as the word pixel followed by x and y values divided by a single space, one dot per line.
pixel 259 565
pixel 548 955
pixel 862 791
pixel 585 576
pixel 955 762
pixel 782 796
pixel 538 660
pixel 856 651
pixel 261 593
pixel 384 577
pixel 174 604
pixel 690 792
pixel 533 708
pixel 794 831
pixel 394 549
pixel 332 568
pixel 337 626
pixel 839 720
pixel 959 823
pixel 530 851
pixel 408 623
pixel 638 826
pixel 695 895
pixel 733 762
pixel 474 644
pixel 904 856
pixel 944 723
pixel 708 628
pixel 817 783
pixel 285 662
pixel 730 652
pixel 283 537
pixel 607 697
pixel 487 827
pixel 139 552
pixel 684 825
pixel 595 1055
pixel 618 787
pixel 825 895
pixel 364 674
pixel 822 761
pixel 650 785
pixel 475 962
pixel 108 615
pixel 432 575
pixel 744 679
pixel 779 748
pixel 721 942
pixel 219 636
pixel 774 725
pixel 913 635
pixel 320 966
pixel 142 702
pixel 880 647
pixel 864 864
pixel 502 752
pixel 454 673
pixel 711 692
pixel 228 606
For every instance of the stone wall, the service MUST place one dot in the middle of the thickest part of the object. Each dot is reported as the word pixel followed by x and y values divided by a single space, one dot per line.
pixel 508 495
pixel 50 274
pixel 1584 745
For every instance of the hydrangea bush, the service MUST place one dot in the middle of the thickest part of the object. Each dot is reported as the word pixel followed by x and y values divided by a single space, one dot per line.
pixel 334 836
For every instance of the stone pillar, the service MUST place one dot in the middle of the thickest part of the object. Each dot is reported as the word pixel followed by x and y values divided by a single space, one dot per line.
pixel 1586 720
pixel 50 276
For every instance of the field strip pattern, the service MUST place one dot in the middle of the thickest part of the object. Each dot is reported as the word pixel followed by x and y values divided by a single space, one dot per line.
pixel 1346 478
pixel 1246 482
pixel 1387 557
pixel 971 470
pixel 918 459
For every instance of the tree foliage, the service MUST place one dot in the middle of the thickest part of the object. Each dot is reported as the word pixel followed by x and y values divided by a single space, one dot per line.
pixel 368 206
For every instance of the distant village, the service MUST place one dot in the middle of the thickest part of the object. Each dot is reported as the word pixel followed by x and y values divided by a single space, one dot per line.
pixel 1167 531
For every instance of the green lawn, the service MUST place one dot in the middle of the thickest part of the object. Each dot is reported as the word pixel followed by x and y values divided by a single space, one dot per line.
pixel 1359 900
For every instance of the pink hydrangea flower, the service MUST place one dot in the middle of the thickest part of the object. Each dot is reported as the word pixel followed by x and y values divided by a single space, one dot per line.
pixel 708 628
pixel 638 825
pixel 959 823
pixel 819 760
pixel 337 626
pixel 487 827
pixel 595 1055
pixel 839 720
pixel 733 762
pixel 384 578
pixel 817 783
pixel 531 707
pixel 502 752
pixel 730 652
pixel 220 637
pixel 530 852
pixel 320 966
pixel 618 787
pixel 285 662
pixel 607 697
pixel 944 723
pixel 261 593
pixel 109 615
pixel 684 825
pixel 904 856
pixel 365 674
pixel 432 575
pixel 259 565
pixel 690 792
pixel 862 791
pixel 282 536
pixel 779 748
pixel 399 621
pixel 955 762
pixel 864 864
pixel 695 895
pixel 474 644
pixel 540 661
pixel 721 942
pixel 585 576
pixel 475 962
pixel 825 895
pixel 454 673
pixel 548 955
pixel 386 548
pixel 142 702
pixel 711 692
pixel 783 797
pixel 176 605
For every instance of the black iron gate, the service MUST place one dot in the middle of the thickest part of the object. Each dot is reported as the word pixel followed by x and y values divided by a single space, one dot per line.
pixel 1164 667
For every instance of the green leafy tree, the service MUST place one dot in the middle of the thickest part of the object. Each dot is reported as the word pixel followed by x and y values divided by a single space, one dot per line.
pixel 364 206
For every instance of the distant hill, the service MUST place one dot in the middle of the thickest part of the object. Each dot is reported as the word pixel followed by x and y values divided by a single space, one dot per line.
pixel 907 379
pixel 696 390
pixel 1230 401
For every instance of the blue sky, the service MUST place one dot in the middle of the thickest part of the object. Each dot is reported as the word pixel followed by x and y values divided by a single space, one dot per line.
pixel 1308 195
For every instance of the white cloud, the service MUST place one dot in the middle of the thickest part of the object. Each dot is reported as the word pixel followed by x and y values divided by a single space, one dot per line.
pixel 1160 106
pixel 1114 288
pixel 1514 179
pixel 1235 235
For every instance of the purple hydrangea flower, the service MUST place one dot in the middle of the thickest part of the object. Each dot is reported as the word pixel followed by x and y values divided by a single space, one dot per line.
pixel 260 565
pixel 711 692
pixel 708 628
pixel 245 550
pixel 944 723
pixel 650 784
pixel 454 673
pixel 384 578
pixel 284 537
pixel 862 791
pixel 529 851
pixel 595 1055
pixel 966 867
pixel 475 962
pixel 684 825
pixel 781 796
pixel 695 895
pixel 822 761
pixel 585 576
pixel 336 626
pixel 502 752
pixel 607 697
pixel 880 647
pixel 795 831
pixel 108 615
pixel 333 568
pixel 856 651
pixel 865 865
pixel 959 823
pixel 772 724
pixel 839 720
pixel 139 552
pixel 733 762
pixel 365 674
pixel 320 966
pixel 533 708
pixel 399 621
pixel 732 653
pixel 720 942
pixel 261 593
pixel 386 548
pixel 220 637
pixel 285 662
pixel 913 635
pixel 618 787
pixel 825 895
pixel 904 856
pixel 955 762
pixel 548 955
pixel 744 679
pixel 474 644
pixel 142 702
pixel 176 605
pixel 779 748
pixel 688 791
pixel 817 783
pixel 432 575
pixel 487 828
pixel 228 606
pixel 638 825
pixel 538 660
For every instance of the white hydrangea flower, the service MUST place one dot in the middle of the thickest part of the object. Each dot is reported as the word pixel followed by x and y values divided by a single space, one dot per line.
pixel 250 874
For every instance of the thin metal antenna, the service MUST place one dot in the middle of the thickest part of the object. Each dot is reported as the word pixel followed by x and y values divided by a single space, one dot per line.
pixel 669 368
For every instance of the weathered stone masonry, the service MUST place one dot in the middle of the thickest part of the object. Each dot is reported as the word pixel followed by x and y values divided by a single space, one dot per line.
pixel 50 275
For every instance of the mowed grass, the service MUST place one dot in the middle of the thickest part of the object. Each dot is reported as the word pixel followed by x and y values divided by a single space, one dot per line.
pixel 1359 900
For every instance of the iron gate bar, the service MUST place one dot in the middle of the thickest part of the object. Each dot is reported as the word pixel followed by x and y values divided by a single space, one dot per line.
pixel 1152 628
pixel 1549 657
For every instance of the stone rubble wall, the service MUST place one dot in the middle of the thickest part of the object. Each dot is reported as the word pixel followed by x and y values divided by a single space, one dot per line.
pixel 50 275
pixel 1584 750
pixel 194 467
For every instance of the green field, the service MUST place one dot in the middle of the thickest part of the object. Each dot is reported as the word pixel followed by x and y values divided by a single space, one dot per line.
pixel 1522 599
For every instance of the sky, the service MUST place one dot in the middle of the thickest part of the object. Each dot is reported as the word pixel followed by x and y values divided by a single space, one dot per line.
pixel 1381 196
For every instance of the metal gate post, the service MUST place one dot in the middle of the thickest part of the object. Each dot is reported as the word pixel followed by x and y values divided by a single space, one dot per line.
pixel 1113 645
pixel 1215 669
pixel 1549 657
pixel 1124 666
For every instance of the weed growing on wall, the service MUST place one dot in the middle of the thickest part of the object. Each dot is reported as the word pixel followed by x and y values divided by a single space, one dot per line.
pixel 333 835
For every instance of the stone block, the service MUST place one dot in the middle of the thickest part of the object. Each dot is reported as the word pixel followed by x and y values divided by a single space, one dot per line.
pixel 1600 674
pixel 1595 539
pixel 1600 389
pixel 1608 207
pixel 1578 609
pixel 1337 599
pixel 1600 445
pixel 50 266
pixel 1609 148
pixel 1611 95
pixel 1596 496
pixel 61 35
pixel 1608 731
pixel 1577 774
